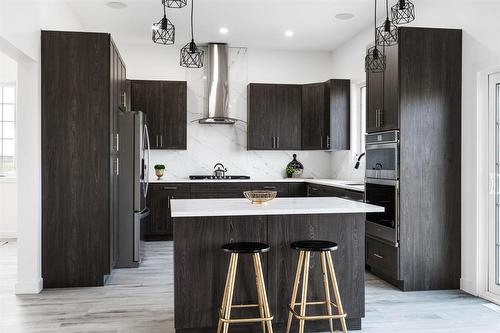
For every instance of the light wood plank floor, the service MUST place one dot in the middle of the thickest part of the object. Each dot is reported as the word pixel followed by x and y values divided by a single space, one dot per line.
pixel 141 300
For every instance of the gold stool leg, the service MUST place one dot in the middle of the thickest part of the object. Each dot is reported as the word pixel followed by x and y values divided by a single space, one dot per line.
pixel 222 309
pixel 229 301
pixel 294 290
pixel 326 287
pixel 267 312
pixel 336 291
pixel 259 291
pixel 304 291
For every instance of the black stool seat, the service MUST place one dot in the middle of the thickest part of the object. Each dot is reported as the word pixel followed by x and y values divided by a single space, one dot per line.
pixel 246 247
pixel 314 245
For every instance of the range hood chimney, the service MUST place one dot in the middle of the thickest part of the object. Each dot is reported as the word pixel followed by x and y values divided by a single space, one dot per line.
pixel 218 86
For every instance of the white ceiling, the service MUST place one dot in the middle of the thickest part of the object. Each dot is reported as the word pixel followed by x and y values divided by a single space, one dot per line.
pixel 251 23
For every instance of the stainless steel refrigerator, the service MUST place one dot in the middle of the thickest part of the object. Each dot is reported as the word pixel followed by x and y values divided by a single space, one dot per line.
pixel 133 182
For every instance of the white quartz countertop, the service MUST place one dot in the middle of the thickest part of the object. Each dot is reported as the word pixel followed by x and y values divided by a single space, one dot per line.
pixel 278 206
pixel 346 184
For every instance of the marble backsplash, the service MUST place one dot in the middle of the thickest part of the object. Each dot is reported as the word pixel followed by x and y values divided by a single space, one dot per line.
pixel 227 144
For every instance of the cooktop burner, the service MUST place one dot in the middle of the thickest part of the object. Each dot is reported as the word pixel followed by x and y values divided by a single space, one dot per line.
pixel 197 177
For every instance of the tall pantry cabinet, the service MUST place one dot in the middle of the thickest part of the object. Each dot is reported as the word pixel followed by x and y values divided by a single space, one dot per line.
pixel 83 89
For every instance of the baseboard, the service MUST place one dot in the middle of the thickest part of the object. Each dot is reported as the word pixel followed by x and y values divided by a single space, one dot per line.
pixel 29 287
pixel 8 235
pixel 468 286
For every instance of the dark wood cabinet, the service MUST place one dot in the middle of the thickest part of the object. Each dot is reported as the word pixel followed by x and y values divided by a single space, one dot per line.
pixel 421 93
pixel 165 106
pixel 299 117
pixel 274 116
pixel 159 223
pixel 315 116
pixel 261 116
pixel 374 100
pixel 83 81
pixel 314 190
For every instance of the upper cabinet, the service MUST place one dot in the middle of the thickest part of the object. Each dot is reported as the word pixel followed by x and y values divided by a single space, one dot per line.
pixel 382 112
pixel 274 116
pixel 299 117
pixel 165 106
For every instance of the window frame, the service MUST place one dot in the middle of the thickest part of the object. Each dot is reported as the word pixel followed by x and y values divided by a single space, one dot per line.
pixel 3 173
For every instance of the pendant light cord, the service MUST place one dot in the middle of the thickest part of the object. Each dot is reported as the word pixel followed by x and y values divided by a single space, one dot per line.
pixel 192 10
pixel 164 10
pixel 387 8
pixel 375 23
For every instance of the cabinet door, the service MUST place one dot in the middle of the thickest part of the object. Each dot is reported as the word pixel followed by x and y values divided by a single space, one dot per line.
pixel 172 115
pixel 287 117
pixel 390 112
pixel 374 100
pixel 160 225
pixel 146 98
pixel 261 116
pixel 339 133
pixel 313 116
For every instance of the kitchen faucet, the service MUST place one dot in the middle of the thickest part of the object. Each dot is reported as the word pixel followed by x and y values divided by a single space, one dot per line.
pixel 219 170
pixel 359 159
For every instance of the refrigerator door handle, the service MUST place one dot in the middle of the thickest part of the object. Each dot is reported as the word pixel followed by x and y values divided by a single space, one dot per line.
pixel 146 134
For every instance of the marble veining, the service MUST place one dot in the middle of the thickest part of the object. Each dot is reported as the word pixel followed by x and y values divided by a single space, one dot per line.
pixel 209 144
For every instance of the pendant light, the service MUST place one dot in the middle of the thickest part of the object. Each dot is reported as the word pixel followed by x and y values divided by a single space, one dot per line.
pixel 164 30
pixel 387 33
pixel 174 3
pixel 375 59
pixel 403 12
pixel 191 55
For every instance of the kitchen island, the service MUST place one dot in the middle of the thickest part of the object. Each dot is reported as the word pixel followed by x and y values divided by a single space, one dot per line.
pixel 202 226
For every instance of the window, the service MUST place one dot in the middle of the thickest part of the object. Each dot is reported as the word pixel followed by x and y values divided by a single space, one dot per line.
pixel 362 117
pixel 7 128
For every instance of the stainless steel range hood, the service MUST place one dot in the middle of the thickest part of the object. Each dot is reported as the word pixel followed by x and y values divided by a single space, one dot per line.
pixel 218 86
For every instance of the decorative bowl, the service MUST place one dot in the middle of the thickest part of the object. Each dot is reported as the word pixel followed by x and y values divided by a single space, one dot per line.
pixel 260 197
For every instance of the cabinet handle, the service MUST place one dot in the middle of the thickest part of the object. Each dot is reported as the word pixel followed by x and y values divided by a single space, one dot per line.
pixel 313 188
pixel 269 187
pixel 274 146
pixel 168 202
pixel 328 141
pixel 378 256
pixel 157 141
pixel 278 142
pixel 161 140
pixel 381 117
pixel 321 138
pixel 169 188
pixel 124 100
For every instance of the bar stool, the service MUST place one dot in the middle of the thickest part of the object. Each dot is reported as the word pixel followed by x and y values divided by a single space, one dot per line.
pixel 305 248
pixel 255 249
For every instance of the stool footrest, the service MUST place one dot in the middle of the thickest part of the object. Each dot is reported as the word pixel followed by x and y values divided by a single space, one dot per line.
pixel 317 317
pixel 245 320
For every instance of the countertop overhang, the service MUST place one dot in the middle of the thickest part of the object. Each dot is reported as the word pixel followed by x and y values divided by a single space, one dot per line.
pixel 278 206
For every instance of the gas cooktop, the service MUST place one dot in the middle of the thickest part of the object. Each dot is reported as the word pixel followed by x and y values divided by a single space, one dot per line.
pixel 198 177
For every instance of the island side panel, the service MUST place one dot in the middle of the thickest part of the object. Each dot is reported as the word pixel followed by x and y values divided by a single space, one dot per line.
pixel 348 230
pixel 200 268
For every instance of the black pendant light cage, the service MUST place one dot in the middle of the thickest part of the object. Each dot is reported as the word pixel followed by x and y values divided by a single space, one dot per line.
pixel 387 33
pixel 191 55
pixel 375 58
pixel 403 12
pixel 164 30
pixel 174 3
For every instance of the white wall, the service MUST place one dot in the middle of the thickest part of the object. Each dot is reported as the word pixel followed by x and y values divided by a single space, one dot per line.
pixel 20 24
pixel 209 144
pixel 8 186
pixel 481 50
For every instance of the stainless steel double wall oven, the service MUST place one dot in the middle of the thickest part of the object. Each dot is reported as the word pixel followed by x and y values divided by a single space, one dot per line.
pixel 382 185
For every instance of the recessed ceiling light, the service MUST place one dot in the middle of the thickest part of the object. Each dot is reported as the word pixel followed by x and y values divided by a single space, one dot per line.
pixel 116 5
pixel 223 30
pixel 344 16
pixel 289 33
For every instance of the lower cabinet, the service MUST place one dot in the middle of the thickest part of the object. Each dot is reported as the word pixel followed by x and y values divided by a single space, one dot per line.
pixel 314 190
pixel 159 224
pixel 382 259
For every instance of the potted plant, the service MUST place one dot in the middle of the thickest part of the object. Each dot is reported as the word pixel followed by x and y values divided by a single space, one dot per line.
pixel 290 170
pixel 159 170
